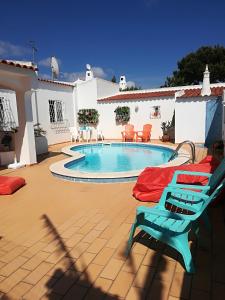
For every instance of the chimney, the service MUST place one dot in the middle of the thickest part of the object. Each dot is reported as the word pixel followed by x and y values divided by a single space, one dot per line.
pixel 89 72
pixel 123 83
pixel 206 91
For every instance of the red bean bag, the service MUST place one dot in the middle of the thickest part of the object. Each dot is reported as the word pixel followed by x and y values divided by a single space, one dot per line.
pixel 9 185
pixel 152 181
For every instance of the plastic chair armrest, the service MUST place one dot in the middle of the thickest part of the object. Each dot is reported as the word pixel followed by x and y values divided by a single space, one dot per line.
pixel 190 186
pixel 179 172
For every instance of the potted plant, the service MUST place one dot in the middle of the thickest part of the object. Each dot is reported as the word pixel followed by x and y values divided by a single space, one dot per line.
pixel 41 142
pixel 165 128
pixel 87 117
pixel 122 114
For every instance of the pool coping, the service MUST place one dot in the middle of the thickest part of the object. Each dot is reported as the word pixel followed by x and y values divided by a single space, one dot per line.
pixel 58 168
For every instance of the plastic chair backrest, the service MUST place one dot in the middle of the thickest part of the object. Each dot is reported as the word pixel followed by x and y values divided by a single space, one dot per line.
pixel 147 129
pixel 217 176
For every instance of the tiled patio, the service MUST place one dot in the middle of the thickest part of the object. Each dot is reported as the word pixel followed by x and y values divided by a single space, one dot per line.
pixel 64 240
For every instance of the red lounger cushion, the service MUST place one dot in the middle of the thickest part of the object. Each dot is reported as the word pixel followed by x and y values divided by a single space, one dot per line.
pixel 9 185
pixel 152 181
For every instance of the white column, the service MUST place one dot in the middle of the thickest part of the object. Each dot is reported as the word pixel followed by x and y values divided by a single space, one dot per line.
pixel 28 150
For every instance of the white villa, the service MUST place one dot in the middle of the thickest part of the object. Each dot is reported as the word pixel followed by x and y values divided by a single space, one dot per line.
pixel 26 99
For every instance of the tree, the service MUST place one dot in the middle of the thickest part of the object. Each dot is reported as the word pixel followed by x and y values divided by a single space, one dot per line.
pixel 131 88
pixel 113 79
pixel 191 67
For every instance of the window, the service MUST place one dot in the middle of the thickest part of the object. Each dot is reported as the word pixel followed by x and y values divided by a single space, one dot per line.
pixel 55 111
pixel 7 120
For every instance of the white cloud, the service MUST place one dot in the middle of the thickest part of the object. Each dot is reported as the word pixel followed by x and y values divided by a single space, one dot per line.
pixel 98 72
pixel 44 76
pixel 131 84
pixel 9 50
pixel 46 62
pixel 72 76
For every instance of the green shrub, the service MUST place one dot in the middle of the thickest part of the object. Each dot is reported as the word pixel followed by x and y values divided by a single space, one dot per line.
pixel 122 114
pixel 88 116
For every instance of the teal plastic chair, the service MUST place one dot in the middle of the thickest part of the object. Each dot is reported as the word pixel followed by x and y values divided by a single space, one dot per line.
pixel 171 227
pixel 213 181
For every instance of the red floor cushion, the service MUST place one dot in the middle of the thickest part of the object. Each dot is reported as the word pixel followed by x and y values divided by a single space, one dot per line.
pixel 152 181
pixel 9 185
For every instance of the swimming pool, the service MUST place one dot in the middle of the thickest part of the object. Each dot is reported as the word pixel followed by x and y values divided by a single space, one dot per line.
pixel 117 157
pixel 113 162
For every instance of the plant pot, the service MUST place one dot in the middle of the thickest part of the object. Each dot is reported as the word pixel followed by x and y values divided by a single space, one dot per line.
pixel 41 144
pixel 165 138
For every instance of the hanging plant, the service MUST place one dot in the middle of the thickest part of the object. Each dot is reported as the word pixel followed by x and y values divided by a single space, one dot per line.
pixel 88 116
pixel 122 114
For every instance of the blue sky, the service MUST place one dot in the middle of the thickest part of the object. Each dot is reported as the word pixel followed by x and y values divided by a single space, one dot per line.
pixel 142 39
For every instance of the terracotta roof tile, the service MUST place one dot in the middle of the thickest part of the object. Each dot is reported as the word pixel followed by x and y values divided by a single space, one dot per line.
pixel 55 82
pixel 215 91
pixel 133 96
pixel 11 63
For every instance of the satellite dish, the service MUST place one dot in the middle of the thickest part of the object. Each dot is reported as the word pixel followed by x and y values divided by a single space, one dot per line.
pixel 55 68
pixel 88 67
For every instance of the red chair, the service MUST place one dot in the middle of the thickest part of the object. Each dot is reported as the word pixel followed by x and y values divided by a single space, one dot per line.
pixel 129 133
pixel 145 134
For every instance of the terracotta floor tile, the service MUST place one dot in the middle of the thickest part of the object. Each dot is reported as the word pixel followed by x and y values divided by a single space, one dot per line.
pixel 38 273
pixel 165 270
pixel 151 258
pixel 181 285
pixel 76 292
pixel 32 263
pixel 133 263
pixel 34 249
pixel 97 245
pixel 41 288
pixel 69 232
pixel 102 225
pixel 11 281
pixel 78 249
pixel 74 240
pixel 86 228
pixel 83 261
pixel 103 256
pixel 55 256
pixel 112 269
pixel 65 282
pixel 90 275
pixel 91 236
pixel 144 277
pixel 135 293
pixel 13 266
pixel 122 284
pixel 19 290
pixel 12 254
pixel 159 290
pixel 62 266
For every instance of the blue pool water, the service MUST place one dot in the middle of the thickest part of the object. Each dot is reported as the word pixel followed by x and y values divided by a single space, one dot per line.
pixel 104 158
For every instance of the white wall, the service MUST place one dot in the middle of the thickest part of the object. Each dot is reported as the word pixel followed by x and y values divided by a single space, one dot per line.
pixel 190 119
pixel 106 88
pixel 138 119
pixel 86 94
pixel 50 91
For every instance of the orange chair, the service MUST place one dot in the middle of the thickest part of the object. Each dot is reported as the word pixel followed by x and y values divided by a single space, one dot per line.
pixel 145 134
pixel 129 133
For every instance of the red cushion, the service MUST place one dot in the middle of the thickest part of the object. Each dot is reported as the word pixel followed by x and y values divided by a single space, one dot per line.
pixel 152 181
pixel 9 185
